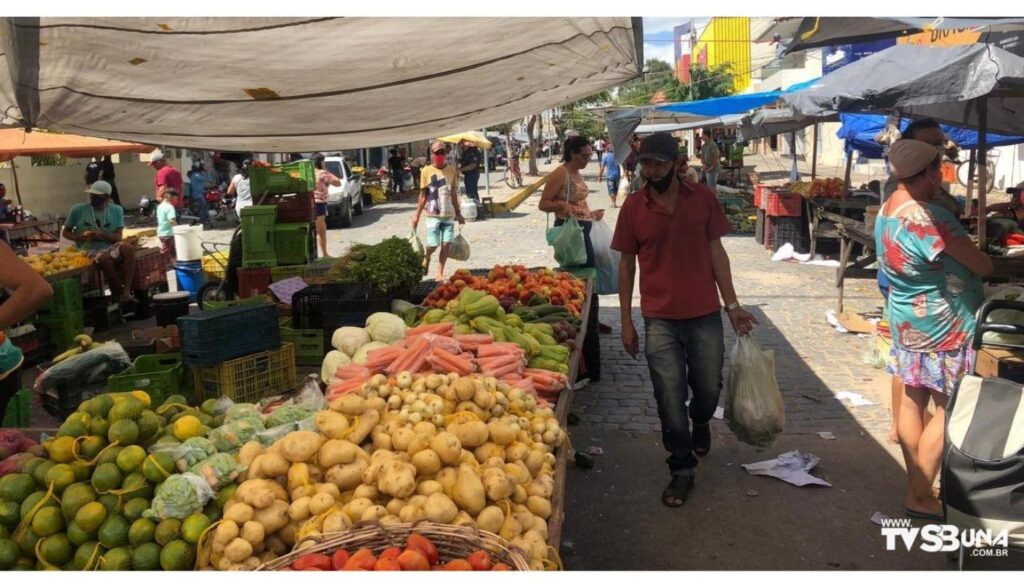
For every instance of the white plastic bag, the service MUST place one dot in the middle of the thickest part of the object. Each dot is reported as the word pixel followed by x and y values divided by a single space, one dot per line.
pixel 459 248
pixel 417 245
pixel 605 258
pixel 754 409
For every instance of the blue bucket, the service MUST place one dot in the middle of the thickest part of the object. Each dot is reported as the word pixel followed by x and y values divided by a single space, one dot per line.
pixel 190 276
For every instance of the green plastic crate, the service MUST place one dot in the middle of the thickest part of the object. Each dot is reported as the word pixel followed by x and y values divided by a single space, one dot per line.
pixel 283 272
pixel 19 411
pixel 159 375
pixel 292 243
pixel 258 236
pixel 309 344
pixel 62 331
pixel 218 304
pixel 67 298
pixel 288 178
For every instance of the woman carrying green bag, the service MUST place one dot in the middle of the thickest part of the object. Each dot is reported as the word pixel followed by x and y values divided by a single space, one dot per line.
pixel 565 195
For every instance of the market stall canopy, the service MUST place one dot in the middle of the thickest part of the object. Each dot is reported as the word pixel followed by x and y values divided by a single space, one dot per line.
pixel 859 132
pixel 943 83
pixel 803 33
pixel 301 84
pixel 19 143
pixel 474 137
pixel 710 122
pixel 766 122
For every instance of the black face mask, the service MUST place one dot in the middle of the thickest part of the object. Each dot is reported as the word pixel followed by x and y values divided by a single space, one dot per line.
pixel 662 184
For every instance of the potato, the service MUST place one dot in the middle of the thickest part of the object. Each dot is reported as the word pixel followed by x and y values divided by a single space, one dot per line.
pixel 539 506
pixel 255 493
pixel 519 472
pixel 510 529
pixel 447 447
pixel 226 531
pixel 298 476
pixel 418 443
pixel 240 513
pixel 426 462
pixel 464 388
pixel 367 421
pixel 238 550
pixel 534 462
pixel 376 404
pixel 468 492
pixel 447 477
pixel 493 462
pixel 427 429
pixel 401 438
pixel 274 517
pixel 470 407
pixel 288 532
pixel 440 509
pixel 354 509
pixel 471 434
pixel 275 545
pixel 303 492
pixel 349 404
pixel 299 509
pixel 429 487
pixel 497 484
pixel 500 433
pixel 542 486
pixel 335 522
pixel 484 398
pixel 410 514
pixel 249 452
pixel 395 506
pixel 347 477
pixel 374 513
pixel 320 503
pixel 301 446
pixel 338 451
pixel 279 492
pixel 382 441
pixel 487 451
pixel 397 479
pixel 252 532
pixel 463 518
pixel 490 519
pixel 419 500
pixel 519 495
pixel 331 424
pixel 271 465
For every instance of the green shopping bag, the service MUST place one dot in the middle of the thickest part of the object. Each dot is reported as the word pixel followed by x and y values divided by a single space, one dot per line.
pixel 567 240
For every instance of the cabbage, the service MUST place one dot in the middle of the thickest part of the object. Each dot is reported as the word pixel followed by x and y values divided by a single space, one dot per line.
pixel 360 356
pixel 385 327
pixel 287 415
pixel 334 360
pixel 219 470
pixel 348 340
pixel 179 496
pixel 231 436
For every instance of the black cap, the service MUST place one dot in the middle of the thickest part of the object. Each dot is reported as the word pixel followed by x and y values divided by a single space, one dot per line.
pixel 660 146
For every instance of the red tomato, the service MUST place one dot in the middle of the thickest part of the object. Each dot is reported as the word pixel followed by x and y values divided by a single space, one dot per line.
pixel 339 559
pixel 458 565
pixel 413 560
pixel 480 560
pixel 500 567
pixel 392 552
pixel 313 562
pixel 361 560
pixel 387 564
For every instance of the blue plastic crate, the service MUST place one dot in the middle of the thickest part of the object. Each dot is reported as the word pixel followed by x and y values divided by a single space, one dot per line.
pixel 209 338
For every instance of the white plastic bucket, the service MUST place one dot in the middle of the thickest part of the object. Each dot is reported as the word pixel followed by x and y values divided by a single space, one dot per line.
pixel 188 243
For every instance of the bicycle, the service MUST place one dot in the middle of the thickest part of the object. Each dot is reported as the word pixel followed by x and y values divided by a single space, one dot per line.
pixel 512 177
pixel 991 160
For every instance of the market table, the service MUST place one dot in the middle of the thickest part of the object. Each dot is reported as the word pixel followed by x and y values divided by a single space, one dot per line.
pixel 30 232
pixel 841 206
pixel 851 232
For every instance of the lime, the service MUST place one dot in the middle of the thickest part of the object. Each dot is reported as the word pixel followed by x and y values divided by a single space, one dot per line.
pixel 117 560
pixel 91 446
pixel 143 397
pixel 193 526
pixel 146 557
pixel 157 467
pixel 61 476
pixel 225 494
pixel 77 536
pixel 213 512
pixel 130 458
pixel 114 531
pixel 39 474
pixel 168 530
pixel 125 408
pixel 90 517
pixel 149 424
pixel 106 477
pixel 141 531
pixel 47 521
pixel 138 485
pixel 82 470
pixel 75 497
pixel 73 428
pixel 99 426
pixel 101 405
pixel 113 503
pixel 209 406
pixel 9 553
pixel 123 432
pixel 177 556
pixel 61 449
pixel 187 427
pixel 10 514
pixel 34 499
pixel 27 540
pixel 16 487
pixel 109 455
pixel 56 550
pixel 87 557
pixel 30 466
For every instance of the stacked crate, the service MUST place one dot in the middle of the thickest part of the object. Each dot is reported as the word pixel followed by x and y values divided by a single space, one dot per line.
pixel 783 219
pixel 277 235
pixel 63 316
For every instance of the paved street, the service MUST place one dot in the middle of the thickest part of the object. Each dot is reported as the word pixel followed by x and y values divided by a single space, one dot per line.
pixel 614 517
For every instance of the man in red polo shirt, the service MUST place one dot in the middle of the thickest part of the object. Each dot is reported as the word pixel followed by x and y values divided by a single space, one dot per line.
pixel 167 177
pixel 674 228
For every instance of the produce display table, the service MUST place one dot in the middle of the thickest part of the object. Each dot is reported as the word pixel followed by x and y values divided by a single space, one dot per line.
pixel 30 232
pixel 823 228
pixel 851 232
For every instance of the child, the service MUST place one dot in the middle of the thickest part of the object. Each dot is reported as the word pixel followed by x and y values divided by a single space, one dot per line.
pixel 165 221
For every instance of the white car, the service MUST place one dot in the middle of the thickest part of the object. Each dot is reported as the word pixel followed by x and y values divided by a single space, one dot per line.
pixel 347 199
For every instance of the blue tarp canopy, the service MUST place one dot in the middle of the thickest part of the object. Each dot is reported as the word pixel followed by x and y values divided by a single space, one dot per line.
pixel 726 105
pixel 859 131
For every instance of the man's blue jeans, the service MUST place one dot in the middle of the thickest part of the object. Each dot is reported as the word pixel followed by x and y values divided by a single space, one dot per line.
pixel 472 180
pixel 684 355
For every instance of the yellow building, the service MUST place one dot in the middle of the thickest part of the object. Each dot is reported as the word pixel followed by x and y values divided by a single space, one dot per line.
pixel 726 41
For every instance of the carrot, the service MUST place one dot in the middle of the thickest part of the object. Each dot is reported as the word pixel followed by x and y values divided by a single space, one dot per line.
pixel 349 371
pixel 443 365
pixel 411 358
pixel 499 361
pixel 498 349
pixel 502 370
pixel 445 329
pixel 463 367
pixel 472 342
pixel 346 387
pixel 442 342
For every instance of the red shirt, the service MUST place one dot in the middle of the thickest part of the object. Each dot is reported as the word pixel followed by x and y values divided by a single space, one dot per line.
pixel 169 177
pixel 673 250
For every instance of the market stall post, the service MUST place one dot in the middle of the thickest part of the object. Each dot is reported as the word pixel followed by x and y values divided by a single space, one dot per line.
pixel 814 154
pixel 794 173
pixel 970 183
pixel 14 173
pixel 849 170
pixel 487 169
pixel 982 106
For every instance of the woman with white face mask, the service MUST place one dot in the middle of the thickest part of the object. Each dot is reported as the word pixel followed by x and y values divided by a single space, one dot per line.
pixel 933 268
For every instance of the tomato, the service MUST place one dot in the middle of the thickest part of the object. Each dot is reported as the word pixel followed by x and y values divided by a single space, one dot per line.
pixel 361 560
pixel 480 560
pixel 413 560
pixel 500 567
pixel 313 562
pixel 392 552
pixel 339 559
pixel 387 564
pixel 458 565
pixel 426 547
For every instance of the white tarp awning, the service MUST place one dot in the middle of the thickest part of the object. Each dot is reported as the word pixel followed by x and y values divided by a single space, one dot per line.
pixel 301 84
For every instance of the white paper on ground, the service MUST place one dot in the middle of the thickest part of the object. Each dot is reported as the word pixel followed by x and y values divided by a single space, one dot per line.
pixel 833 319
pixel 792 467
pixel 719 413
pixel 855 398
pixel 822 262
pixel 827 435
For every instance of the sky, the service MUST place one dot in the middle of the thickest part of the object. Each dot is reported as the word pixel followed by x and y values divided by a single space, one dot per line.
pixel 658 35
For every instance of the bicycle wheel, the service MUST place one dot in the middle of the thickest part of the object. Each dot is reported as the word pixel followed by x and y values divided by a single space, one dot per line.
pixel 961 175
pixel 506 177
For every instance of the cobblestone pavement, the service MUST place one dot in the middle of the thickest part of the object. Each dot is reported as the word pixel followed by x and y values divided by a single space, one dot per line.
pixel 614 518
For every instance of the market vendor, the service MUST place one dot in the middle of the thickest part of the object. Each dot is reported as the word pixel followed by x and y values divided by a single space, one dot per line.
pixel 926 130
pixel 97 227
pixel 27 291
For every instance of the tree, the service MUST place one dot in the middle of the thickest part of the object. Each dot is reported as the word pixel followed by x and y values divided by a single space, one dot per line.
pixel 706 83
pixel 531 127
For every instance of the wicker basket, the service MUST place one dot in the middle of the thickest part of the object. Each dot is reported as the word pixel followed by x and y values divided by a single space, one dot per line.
pixel 452 542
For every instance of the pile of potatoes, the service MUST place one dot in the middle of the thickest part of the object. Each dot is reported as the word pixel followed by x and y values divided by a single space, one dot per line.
pixel 449 449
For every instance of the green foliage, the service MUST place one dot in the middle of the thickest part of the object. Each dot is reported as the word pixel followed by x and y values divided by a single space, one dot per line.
pixel 390 265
